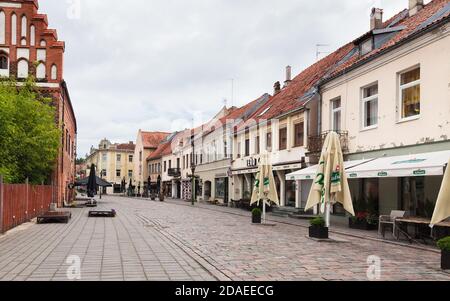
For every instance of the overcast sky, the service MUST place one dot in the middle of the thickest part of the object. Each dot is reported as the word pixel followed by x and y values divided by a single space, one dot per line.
pixel 157 64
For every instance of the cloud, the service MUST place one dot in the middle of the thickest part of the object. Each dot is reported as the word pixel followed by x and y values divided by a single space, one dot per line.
pixel 154 64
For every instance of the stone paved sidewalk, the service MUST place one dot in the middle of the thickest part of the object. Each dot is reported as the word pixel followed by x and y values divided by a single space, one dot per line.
pixel 171 241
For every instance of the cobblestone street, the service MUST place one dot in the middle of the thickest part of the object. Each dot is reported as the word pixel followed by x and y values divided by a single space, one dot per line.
pixel 172 241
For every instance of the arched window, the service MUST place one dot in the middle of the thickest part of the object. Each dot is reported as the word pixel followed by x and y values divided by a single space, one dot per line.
pixel 40 71
pixel 54 71
pixel 24 26
pixel 2 27
pixel 33 35
pixel 14 29
pixel 43 43
pixel 23 42
pixel 3 61
pixel 22 69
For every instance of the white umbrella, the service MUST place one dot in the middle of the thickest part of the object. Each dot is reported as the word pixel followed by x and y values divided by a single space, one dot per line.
pixel 331 184
pixel 442 210
pixel 265 189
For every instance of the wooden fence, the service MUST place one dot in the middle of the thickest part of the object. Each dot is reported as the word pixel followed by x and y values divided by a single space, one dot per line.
pixel 20 203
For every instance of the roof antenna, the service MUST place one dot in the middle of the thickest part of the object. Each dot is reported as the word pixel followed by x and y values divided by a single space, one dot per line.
pixel 318 52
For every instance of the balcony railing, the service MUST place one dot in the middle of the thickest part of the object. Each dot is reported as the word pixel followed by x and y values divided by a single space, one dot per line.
pixel 315 143
pixel 174 172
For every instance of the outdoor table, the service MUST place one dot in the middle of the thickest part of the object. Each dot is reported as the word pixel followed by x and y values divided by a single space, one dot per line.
pixel 420 222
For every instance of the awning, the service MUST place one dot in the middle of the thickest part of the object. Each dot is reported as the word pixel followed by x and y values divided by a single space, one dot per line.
pixel 418 165
pixel 310 172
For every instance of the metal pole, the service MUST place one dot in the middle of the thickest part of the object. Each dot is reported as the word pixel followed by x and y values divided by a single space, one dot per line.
pixel 264 211
pixel 1 204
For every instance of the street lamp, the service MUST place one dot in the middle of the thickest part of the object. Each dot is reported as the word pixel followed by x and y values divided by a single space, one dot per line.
pixel 193 168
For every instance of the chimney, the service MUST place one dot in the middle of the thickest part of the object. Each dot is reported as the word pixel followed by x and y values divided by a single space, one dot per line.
pixel 415 6
pixel 276 88
pixel 376 18
pixel 288 76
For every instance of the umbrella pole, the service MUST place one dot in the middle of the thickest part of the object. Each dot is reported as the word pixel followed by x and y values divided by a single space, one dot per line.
pixel 264 211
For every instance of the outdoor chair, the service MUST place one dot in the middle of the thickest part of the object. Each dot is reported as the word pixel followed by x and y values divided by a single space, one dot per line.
pixel 390 221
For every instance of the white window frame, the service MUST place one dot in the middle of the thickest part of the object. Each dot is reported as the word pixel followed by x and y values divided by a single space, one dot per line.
pixel 363 106
pixel 404 87
pixel 334 111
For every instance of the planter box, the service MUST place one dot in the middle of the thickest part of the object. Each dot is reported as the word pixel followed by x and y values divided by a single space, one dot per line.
pixel 256 219
pixel 445 260
pixel 361 225
pixel 318 232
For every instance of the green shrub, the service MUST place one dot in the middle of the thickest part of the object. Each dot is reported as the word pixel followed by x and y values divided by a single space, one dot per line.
pixel 444 244
pixel 318 222
pixel 256 212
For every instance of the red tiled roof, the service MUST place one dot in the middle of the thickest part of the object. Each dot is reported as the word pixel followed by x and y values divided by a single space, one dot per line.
pixel 289 98
pixel 412 26
pixel 162 150
pixel 153 139
pixel 126 146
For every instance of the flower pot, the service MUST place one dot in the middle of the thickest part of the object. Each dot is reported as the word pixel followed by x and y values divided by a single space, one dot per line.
pixel 361 225
pixel 445 260
pixel 318 232
pixel 256 218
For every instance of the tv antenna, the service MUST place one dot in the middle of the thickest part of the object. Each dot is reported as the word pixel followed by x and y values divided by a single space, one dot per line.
pixel 319 52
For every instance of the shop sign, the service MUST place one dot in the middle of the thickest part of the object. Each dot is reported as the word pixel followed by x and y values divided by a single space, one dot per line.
pixel 420 172
pixel 383 174
pixel 253 162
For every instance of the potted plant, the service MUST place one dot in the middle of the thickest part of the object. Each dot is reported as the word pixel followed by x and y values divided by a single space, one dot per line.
pixel 364 221
pixel 318 229
pixel 444 245
pixel 256 216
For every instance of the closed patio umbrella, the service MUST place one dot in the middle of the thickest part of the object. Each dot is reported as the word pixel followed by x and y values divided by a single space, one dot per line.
pixel 92 182
pixel 331 183
pixel 442 210
pixel 265 189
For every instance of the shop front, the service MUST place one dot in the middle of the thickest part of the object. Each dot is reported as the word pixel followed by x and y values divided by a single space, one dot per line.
pixel 379 186
pixel 214 181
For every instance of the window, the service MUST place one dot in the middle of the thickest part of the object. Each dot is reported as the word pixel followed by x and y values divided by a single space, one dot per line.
pixel 14 29
pixel 269 142
pixel 165 166
pixel 257 148
pixel 2 27
pixel 40 71
pixel 283 139
pixel 22 69
pixel 104 157
pixel 225 148
pixel 130 173
pixel 170 164
pixel 370 106
pixel 24 26
pixel 118 173
pixel 336 114
pixel 184 162
pixel 140 156
pixel 238 154
pixel 366 46
pixel 32 35
pixel 410 93
pixel 178 163
pixel 247 147
pixel 54 72
pixel 3 62
pixel 103 173
pixel 220 188
pixel 130 158
pixel 299 137
pixel 119 158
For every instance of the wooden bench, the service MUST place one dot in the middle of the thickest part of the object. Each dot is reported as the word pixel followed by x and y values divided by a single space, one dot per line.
pixel 111 213
pixel 54 217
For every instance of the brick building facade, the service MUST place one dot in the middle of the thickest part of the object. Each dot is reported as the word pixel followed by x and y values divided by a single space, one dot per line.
pixel 29 48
